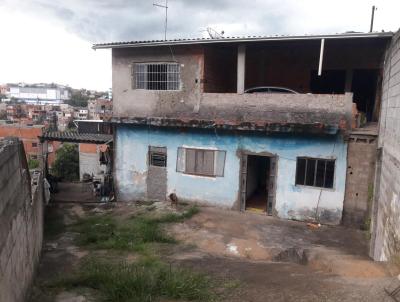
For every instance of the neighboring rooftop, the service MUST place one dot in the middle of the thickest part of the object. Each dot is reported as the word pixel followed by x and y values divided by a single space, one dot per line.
pixel 75 137
pixel 143 43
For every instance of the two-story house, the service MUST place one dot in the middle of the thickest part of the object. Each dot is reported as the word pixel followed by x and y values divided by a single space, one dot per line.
pixel 254 123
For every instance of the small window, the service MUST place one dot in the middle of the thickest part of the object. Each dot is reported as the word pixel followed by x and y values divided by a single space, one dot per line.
pixel 202 162
pixel 34 157
pixel 158 156
pixel 156 76
pixel 315 172
pixel 34 145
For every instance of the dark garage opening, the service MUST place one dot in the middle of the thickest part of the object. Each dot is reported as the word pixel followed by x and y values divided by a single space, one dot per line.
pixel 256 183
pixel 330 81
pixel 364 89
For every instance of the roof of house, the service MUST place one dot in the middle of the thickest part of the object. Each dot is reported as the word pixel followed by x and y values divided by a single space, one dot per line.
pixel 190 41
pixel 75 137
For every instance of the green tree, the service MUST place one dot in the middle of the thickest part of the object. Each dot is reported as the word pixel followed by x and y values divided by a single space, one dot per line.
pixel 66 165
pixel 33 164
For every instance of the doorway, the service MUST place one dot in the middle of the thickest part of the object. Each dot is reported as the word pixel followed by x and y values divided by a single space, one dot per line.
pixel 258 183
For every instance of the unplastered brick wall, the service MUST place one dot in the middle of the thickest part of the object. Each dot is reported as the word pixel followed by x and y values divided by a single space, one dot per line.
pixel 385 243
pixel 21 222
pixel 361 157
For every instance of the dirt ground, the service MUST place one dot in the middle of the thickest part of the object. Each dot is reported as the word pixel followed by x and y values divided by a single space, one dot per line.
pixel 269 259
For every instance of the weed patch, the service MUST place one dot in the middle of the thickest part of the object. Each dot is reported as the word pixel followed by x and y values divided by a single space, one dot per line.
pixel 144 282
pixel 104 232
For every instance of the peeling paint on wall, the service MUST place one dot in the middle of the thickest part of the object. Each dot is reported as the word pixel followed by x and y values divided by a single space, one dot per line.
pixel 292 202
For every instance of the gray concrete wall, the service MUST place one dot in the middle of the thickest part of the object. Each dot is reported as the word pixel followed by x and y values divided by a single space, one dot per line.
pixel 131 102
pixel 21 223
pixel 361 158
pixel 190 103
pixel 385 243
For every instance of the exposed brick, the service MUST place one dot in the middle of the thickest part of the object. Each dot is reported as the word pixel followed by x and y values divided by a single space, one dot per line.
pixel 360 177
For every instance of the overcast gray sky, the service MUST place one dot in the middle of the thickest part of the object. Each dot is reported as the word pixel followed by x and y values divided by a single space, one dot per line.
pixel 50 40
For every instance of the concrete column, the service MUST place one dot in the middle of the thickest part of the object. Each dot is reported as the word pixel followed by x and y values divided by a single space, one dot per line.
pixel 349 80
pixel 241 68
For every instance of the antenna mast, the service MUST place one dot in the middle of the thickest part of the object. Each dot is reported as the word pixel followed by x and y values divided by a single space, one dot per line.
pixel 166 16
pixel 374 8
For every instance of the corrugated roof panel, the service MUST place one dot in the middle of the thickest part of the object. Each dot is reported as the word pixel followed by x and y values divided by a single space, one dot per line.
pixel 146 43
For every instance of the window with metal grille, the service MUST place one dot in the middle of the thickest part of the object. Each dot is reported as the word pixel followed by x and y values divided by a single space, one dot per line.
pixel 156 76
pixel 158 156
pixel 315 172
pixel 202 162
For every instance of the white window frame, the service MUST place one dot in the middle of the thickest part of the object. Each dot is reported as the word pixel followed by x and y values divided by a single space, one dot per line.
pixel 219 167
pixel 168 79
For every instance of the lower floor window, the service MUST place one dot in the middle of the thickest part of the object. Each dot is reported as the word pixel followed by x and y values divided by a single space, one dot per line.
pixel 315 172
pixel 158 156
pixel 201 162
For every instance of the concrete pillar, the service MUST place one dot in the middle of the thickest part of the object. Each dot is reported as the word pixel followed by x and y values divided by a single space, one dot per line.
pixel 349 80
pixel 241 68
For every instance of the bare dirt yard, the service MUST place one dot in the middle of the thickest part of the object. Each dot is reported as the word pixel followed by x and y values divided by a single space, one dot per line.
pixel 152 252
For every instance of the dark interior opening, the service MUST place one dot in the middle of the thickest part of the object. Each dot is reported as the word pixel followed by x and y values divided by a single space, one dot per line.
pixel 364 90
pixel 330 81
pixel 220 64
pixel 256 183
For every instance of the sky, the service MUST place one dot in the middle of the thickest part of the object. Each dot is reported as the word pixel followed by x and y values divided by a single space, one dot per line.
pixel 50 40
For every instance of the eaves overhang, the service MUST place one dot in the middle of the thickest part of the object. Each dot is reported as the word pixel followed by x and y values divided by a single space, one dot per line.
pixel 258 127
pixel 248 39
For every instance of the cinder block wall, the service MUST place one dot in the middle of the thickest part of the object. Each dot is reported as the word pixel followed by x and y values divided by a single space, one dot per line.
pixel 21 223
pixel 385 243
pixel 361 158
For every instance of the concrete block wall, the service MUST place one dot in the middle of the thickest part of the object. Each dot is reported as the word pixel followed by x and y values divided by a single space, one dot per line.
pixel 385 243
pixel 21 223
pixel 361 158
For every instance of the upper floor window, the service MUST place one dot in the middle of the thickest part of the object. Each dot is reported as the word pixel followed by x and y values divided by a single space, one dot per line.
pixel 202 162
pixel 315 172
pixel 156 76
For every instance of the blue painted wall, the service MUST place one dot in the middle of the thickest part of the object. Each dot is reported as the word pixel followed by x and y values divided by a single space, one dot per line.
pixel 294 202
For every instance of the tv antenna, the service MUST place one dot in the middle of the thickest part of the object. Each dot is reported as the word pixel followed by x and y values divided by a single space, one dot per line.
pixel 213 33
pixel 374 8
pixel 166 16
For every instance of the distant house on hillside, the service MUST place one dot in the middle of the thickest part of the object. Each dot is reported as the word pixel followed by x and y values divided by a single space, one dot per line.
pixel 38 94
pixel 29 135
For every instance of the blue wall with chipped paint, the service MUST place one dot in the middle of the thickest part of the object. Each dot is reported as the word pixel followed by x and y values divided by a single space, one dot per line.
pixel 294 202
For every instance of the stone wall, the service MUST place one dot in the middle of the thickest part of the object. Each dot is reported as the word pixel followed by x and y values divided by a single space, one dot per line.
pixel 361 158
pixel 385 241
pixel 21 222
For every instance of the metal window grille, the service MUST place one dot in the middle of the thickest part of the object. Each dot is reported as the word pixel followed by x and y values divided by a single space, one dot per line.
pixel 157 76
pixel 158 156
pixel 315 172
pixel 202 162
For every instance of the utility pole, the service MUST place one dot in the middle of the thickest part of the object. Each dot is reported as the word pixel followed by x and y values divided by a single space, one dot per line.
pixel 372 18
pixel 166 16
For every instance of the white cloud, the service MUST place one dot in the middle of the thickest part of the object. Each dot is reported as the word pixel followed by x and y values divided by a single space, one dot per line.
pixel 48 40
pixel 34 50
